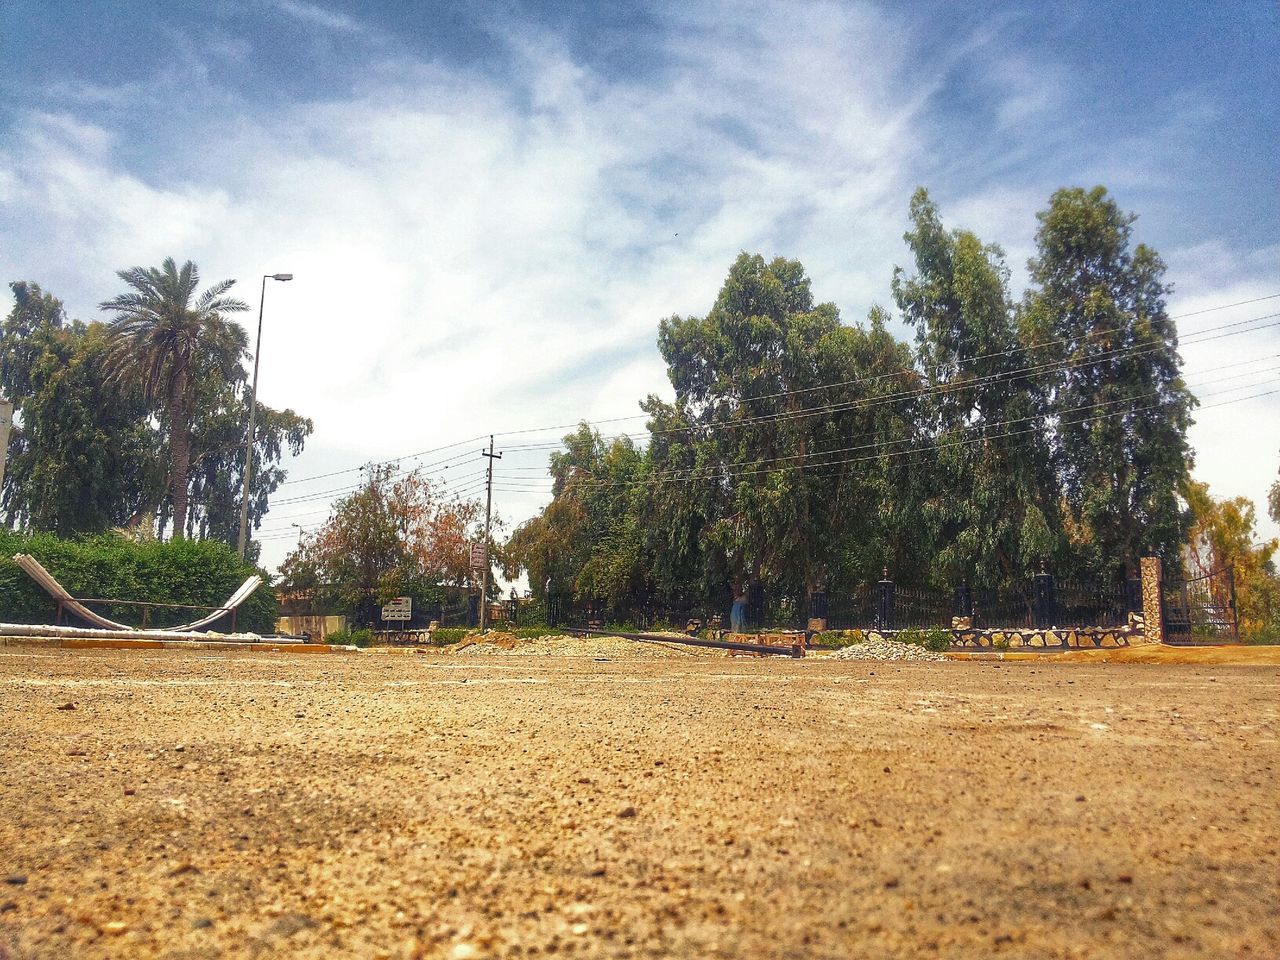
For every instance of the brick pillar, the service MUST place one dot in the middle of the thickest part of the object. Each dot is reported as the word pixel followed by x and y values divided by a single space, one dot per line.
pixel 1152 612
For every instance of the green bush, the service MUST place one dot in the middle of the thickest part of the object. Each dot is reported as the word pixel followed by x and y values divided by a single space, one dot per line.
pixel 838 639
pixel 449 635
pixel 1268 634
pixel 937 639
pixel 178 571
pixel 912 636
pixel 1002 643
pixel 351 638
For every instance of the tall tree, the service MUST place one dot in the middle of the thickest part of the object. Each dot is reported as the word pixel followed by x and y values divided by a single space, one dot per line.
pixel 158 340
pixel 35 316
pixel 80 451
pixel 587 541
pixel 990 491
pixel 88 455
pixel 767 461
pixel 396 534
pixel 1119 407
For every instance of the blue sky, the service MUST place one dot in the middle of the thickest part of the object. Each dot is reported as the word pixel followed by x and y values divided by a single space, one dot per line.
pixel 489 206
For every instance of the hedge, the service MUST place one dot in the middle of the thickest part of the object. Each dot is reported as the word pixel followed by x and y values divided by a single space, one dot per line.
pixel 178 571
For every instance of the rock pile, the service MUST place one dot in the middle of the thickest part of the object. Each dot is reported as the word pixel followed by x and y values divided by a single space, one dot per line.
pixel 875 647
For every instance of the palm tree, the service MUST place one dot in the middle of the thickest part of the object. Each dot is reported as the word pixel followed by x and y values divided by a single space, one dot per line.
pixel 157 342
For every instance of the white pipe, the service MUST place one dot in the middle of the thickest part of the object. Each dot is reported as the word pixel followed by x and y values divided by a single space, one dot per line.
pixel 44 578
pixel 88 633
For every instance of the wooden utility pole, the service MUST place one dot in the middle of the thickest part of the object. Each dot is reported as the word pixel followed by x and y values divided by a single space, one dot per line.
pixel 488 510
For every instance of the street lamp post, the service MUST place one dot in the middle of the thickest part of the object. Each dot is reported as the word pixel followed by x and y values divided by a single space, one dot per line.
pixel 253 417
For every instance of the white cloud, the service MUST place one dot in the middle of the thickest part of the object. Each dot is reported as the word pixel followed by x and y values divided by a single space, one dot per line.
pixel 472 257
pixel 315 15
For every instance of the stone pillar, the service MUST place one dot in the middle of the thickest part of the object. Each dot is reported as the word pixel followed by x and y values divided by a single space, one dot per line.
pixel 1152 612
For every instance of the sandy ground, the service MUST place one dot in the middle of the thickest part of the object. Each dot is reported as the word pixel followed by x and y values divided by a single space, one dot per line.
pixel 263 805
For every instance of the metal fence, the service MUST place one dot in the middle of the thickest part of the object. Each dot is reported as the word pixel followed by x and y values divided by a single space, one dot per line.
pixel 1040 602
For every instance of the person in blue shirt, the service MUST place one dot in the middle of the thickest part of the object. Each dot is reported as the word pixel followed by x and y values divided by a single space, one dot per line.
pixel 738 612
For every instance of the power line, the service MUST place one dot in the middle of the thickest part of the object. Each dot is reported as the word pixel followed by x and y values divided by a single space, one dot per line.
pixel 322 494
pixel 407 456
pixel 1225 366
pixel 720 470
pixel 942 388
pixel 444 484
pixel 814 411
pixel 932 446
pixel 975 359
pixel 458 443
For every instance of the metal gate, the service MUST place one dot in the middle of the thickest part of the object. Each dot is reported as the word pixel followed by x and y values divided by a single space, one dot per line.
pixel 1201 610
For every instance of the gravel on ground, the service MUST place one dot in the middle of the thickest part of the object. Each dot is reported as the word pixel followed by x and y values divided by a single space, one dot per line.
pixel 874 648
pixel 206 804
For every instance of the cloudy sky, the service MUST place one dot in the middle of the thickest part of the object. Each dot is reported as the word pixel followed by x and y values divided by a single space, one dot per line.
pixel 489 207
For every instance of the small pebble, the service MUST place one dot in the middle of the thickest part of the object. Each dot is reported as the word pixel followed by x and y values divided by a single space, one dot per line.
pixel 67 706
pixel 115 927
pixel 16 879
pixel 627 812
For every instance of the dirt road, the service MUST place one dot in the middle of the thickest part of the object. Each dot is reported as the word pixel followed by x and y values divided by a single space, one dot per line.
pixel 410 806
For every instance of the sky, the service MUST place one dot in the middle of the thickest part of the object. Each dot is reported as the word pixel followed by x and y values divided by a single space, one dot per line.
pixel 488 208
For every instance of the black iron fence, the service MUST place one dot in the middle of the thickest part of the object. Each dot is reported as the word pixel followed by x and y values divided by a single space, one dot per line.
pixel 1040 602
pixel 1201 609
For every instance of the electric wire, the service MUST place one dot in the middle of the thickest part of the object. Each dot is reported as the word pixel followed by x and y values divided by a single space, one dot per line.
pixel 546 429
pixel 921 392
pixel 724 469
pixel 1012 350
pixel 1189 339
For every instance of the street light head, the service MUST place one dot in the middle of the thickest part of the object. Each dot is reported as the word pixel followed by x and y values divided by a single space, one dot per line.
pixel 282 276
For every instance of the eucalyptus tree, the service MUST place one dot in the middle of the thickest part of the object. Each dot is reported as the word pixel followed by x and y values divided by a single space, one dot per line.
pixel 990 499
pixel 162 331
pixel 770 463
pixel 1119 407
pixel 80 451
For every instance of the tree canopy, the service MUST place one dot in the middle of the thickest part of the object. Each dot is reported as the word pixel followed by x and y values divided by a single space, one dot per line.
pixel 92 442
pixel 809 454
pixel 398 534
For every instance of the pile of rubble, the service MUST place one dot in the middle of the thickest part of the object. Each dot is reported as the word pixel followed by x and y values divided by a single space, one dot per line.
pixel 876 647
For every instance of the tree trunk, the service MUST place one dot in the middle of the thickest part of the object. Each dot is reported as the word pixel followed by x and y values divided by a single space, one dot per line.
pixel 180 452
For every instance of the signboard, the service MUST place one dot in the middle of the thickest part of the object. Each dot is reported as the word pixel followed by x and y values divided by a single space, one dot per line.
pixel 477 556
pixel 401 608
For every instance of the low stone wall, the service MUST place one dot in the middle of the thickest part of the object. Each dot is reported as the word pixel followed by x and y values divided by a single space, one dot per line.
pixel 1061 638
